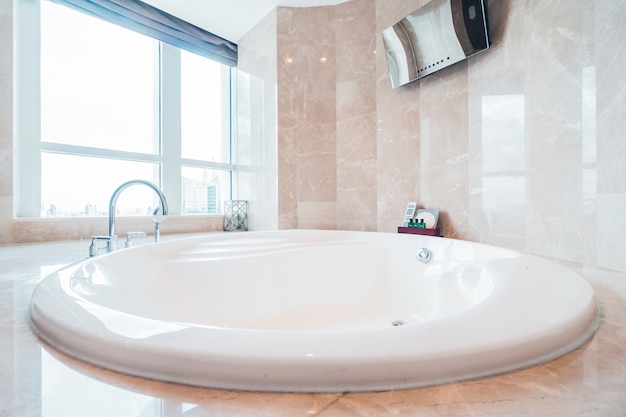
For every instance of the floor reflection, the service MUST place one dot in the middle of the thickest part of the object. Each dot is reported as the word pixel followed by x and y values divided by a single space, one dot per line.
pixel 71 388
pixel 80 395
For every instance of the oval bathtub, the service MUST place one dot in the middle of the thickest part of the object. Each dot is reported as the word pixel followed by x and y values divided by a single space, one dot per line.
pixel 314 311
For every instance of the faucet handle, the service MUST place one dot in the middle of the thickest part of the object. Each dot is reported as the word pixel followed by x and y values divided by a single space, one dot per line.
pixel 131 235
pixel 94 248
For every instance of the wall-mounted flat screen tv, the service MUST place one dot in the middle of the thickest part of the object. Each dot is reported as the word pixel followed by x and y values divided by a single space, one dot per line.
pixel 435 36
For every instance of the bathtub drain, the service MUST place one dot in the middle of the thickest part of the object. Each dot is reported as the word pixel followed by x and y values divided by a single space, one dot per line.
pixel 398 323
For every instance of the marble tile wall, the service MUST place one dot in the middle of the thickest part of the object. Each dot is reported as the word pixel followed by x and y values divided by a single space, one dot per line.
pixel 307 117
pixel 257 178
pixel 356 115
pixel 610 131
pixel 520 146
pixel 6 121
pixel 326 114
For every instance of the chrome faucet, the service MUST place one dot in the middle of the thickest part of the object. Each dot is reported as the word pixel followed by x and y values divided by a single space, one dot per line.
pixel 111 239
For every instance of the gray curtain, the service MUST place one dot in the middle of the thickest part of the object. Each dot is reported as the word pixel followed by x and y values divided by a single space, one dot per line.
pixel 148 20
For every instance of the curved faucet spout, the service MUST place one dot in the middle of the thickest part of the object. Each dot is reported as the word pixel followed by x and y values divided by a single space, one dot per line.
pixel 121 188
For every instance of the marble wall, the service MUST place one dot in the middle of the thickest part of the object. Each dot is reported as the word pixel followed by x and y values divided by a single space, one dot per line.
pixel 520 146
pixel 307 117
pixel 327 116
pixel 256 144
pixel 6 121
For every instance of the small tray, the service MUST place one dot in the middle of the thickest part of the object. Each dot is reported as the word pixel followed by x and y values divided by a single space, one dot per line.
pixel 419 231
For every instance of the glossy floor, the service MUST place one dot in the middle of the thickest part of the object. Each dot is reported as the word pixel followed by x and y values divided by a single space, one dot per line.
pixel 35 380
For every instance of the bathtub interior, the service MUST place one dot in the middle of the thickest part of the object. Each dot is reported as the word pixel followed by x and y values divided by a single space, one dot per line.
pixel 333 282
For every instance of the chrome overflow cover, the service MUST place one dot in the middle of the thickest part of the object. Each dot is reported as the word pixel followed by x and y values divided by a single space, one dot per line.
pixel 423 255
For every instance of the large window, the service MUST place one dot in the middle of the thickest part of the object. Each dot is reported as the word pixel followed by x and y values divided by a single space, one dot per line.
pixel 114 106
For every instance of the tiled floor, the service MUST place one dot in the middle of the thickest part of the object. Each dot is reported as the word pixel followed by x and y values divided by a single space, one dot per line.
pixel 35 380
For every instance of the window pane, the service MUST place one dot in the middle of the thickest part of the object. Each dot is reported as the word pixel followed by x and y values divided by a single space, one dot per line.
pixel 204 190
pixel 99 87
pixel 96 82
pixel 203 135
pixel 83 186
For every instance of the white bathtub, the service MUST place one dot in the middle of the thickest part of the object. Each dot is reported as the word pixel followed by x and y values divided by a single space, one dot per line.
pixel 315 311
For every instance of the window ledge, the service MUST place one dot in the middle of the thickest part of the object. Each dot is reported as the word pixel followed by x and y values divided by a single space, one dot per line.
pixel 34 230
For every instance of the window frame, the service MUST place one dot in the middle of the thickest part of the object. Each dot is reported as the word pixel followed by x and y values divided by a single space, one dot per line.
pixel 29 144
